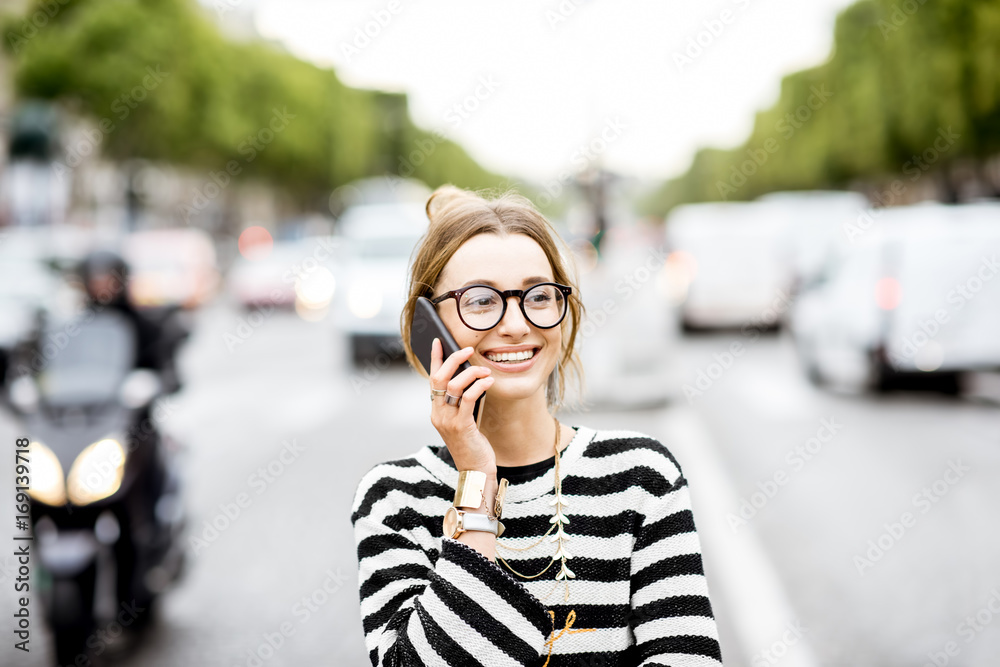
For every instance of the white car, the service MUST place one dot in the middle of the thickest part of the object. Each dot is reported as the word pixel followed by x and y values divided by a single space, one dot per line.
pixel 914 297
pixel 294 274
pixel 377 241
pixel 948 317
pixel 835 319
pixel 817 222
pixel 729 264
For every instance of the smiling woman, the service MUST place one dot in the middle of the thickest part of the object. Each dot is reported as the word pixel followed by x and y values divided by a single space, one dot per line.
pixel 609 510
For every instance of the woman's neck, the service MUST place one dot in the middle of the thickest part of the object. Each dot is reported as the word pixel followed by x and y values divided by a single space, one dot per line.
pixel 526 439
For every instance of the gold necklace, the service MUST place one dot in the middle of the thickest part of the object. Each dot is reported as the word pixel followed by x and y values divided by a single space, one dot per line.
pixel 558 521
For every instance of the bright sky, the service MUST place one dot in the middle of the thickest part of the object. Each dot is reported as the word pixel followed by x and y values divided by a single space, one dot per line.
pixel 552 76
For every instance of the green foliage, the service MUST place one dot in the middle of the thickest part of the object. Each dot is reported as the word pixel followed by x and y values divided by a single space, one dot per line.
pixel 174 89
pixel 900 72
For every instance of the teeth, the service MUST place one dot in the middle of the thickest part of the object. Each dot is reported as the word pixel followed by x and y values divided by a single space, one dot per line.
pixel 511 356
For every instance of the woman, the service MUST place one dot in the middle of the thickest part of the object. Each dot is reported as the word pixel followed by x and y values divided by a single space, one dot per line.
pixel 598 561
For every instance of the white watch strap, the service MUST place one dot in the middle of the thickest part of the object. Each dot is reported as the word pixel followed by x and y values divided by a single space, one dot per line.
pixel 476 521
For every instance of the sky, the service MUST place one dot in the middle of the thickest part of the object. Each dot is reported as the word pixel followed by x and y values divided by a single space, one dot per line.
pixel 538 89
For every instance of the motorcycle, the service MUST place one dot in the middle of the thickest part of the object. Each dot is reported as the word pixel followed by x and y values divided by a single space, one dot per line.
pixel 106 503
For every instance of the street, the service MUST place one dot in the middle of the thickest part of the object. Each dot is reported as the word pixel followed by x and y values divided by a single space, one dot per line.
pixel 278 430
pixel 214 216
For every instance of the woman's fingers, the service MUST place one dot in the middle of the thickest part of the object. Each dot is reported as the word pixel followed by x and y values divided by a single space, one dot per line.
pixel 456 426
pixel 472 394
pixel 460 382
pixel 435 355
pixel 448 367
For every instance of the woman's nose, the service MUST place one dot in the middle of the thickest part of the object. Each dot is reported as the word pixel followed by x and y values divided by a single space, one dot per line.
pixel 517 325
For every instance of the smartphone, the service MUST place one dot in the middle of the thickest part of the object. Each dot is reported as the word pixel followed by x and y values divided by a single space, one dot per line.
pixel 427 325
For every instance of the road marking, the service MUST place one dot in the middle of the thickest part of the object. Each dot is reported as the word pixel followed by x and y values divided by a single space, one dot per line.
pixel 760 611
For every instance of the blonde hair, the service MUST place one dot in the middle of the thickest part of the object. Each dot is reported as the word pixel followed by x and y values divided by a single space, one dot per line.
pixel 457 215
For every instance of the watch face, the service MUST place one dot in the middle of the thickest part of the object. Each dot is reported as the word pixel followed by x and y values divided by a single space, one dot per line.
pixel 450 528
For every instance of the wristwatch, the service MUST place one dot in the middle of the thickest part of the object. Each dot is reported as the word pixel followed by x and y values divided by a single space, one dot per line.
pixel 458 521
pixel 469 494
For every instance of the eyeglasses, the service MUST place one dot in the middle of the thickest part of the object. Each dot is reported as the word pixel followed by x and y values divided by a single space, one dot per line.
pixel 482 307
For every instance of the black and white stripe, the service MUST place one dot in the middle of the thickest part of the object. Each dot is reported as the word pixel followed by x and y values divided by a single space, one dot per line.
pixel 639 589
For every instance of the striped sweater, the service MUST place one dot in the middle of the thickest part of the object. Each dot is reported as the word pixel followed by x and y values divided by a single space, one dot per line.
pixel 639 596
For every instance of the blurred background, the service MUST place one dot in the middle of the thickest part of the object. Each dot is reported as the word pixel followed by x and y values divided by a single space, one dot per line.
pixel 786 225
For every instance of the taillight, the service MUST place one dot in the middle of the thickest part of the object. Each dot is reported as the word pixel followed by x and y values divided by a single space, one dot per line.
pixel 887 293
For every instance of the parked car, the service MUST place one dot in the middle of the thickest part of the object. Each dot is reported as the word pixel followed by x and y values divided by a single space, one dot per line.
pixel 835 318
pixel 817 222
pixel 729 264
pixel 913 300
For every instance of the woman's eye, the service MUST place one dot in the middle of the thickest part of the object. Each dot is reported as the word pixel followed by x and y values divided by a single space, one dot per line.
pixel 481 302
pixel 539 298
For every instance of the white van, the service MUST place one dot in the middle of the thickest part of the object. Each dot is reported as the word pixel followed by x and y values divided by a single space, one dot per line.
pixel 913 296
pixel 731 261
pixel 816 221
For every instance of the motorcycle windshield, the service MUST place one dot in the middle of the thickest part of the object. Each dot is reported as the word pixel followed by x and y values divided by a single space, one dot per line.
pixel 88 365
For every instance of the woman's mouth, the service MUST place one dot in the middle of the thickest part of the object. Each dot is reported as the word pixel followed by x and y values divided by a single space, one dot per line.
pixel 512 362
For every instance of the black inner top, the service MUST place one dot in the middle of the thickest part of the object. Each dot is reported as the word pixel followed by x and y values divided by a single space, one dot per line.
pixel 526 473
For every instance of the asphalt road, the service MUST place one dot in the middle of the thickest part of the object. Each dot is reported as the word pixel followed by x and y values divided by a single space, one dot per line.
pixel 278 430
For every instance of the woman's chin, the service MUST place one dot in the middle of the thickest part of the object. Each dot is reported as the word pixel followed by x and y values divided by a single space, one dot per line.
pixel 512 389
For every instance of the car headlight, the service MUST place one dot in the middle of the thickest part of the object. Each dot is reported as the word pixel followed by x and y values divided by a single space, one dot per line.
pixel 47 482
pixel 364 302
pixel 315 290
pixel 97 472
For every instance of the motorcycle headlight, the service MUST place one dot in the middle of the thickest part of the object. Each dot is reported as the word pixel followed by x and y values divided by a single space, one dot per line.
pixel 97 472
pixel 47 481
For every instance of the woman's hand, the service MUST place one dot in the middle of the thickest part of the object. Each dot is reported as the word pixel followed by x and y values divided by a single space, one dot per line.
pixel 468 446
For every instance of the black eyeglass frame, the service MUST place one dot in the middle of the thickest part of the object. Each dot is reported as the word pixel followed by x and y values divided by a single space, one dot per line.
pixel 504 295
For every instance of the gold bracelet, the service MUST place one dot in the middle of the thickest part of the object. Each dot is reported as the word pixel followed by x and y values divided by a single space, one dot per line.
pixel 501 494
pixel 470 489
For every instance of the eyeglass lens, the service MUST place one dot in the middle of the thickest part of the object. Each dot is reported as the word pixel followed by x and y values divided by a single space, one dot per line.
pixel 482 308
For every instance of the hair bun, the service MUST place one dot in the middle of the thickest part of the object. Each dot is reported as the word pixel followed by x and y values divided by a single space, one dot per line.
pixel 443 197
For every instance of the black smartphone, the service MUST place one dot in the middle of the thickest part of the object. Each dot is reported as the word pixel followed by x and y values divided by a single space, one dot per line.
pixel 427 325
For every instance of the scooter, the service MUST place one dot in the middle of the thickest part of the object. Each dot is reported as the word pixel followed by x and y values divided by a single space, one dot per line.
pixel 106 503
